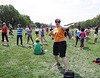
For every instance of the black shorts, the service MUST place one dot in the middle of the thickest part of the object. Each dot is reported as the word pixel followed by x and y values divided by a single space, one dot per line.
pixel 25 33
pixel 10 33
pixel 36 32
pixel 59 48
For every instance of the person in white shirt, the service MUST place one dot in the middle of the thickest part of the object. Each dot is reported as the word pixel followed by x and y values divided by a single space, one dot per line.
pixel 37 31
pixel 29 33
pixel 26 29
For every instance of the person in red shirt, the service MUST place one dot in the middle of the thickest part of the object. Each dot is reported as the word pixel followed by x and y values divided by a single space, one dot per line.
pixel 47 30
pixel 4 33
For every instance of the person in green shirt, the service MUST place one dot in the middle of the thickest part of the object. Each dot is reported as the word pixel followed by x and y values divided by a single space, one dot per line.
pixel 37 47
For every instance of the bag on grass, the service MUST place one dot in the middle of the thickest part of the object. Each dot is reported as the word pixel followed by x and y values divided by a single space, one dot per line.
pixel 97 60
pixel 69 74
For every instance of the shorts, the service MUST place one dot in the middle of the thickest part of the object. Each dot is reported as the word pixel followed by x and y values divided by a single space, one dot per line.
pixel 59 48
pixel 87 35
pixel 42 35
pixel 29 35
pixel 77 38
pixel 36 32
pixel 82 40
pixel 95 35
pixel 10 33
pixel 25 33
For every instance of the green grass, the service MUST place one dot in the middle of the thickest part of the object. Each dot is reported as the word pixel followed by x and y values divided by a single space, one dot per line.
pixel 18 62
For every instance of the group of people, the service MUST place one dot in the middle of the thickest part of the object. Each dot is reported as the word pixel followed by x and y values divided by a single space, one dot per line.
pixel 81 33
pixel 59 46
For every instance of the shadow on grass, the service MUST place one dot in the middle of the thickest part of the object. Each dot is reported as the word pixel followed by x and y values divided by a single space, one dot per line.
pixel 45 44
pixel 86 48
pixel 40 54
pixel 91 43
pixel 62 70
pixel 6 45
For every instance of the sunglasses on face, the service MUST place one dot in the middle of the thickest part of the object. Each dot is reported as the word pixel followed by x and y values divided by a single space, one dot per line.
pixel 57 21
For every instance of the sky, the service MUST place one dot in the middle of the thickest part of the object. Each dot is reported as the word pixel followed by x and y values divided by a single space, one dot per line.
pixel 46 11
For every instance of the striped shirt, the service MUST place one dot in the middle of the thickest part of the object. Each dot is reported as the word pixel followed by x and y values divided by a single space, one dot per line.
pixel 19 31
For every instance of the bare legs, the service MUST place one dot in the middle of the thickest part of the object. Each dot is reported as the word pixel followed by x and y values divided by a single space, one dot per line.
pixel 64 59
pixel 95 40
pixel 75 43
pixel 44 39
pixel 57 59
pixel 31 40
pixel 87 39
pixel 37 35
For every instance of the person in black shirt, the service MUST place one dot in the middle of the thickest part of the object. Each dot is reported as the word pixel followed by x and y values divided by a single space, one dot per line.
pixel 96 33
pixel 51 30
pixel 67 33
pixel 10 32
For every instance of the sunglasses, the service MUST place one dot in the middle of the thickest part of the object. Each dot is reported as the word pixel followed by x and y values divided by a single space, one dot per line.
pixel 57 21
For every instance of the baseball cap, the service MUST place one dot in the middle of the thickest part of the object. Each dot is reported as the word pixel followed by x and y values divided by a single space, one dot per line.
pixel 4 23
pixel 37 39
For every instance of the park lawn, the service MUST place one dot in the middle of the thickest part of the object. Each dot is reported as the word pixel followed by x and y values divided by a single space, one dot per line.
pixel 18 62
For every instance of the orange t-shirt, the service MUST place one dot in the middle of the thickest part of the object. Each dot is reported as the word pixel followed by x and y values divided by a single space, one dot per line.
pixel 59 35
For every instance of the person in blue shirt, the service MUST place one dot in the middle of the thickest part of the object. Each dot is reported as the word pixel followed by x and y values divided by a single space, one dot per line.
pixel 42 35
pixel 19 33
pixel 77 34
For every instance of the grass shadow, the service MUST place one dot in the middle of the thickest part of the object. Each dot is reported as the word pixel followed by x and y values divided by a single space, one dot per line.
pixel 40 54
pixel 23 46
pixel 91 43
pixel 62 70
pixel 77 75
pixel 45 44
pixel 87 48
pixel 6 45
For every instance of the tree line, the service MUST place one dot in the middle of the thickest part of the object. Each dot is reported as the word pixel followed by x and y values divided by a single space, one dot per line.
pixel 12 17
pixel 90 22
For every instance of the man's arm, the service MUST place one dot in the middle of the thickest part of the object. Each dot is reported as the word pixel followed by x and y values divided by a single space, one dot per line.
pixel 64 28
pixel 50 33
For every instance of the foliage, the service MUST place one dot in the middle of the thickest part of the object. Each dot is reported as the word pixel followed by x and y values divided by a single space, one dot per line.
pixel 90 22
pixel 11 16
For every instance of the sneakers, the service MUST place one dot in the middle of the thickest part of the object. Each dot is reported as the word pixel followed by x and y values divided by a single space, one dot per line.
pixel 75 46
pixel 57 64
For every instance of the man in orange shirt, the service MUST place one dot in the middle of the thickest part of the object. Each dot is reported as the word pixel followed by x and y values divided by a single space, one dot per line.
pixel 59 47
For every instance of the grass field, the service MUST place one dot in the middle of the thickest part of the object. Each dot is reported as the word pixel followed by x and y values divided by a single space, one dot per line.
pixel 18 62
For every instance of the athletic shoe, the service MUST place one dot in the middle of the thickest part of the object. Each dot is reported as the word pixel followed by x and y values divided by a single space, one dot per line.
pixel 57 64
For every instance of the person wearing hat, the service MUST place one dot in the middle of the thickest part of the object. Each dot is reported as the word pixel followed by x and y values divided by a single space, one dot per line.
pixel 37 47
pixel 4 33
